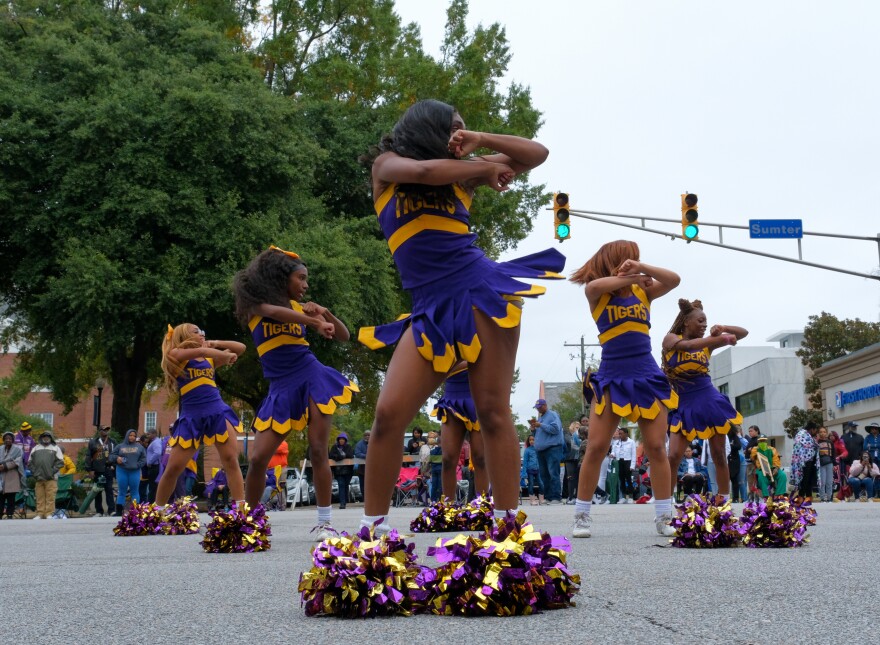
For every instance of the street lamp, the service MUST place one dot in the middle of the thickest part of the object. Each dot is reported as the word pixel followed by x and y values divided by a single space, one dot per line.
pixel 100 384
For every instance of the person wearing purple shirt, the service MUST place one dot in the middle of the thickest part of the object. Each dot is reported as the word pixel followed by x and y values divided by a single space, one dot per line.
pixel 24 439
pixel 217 488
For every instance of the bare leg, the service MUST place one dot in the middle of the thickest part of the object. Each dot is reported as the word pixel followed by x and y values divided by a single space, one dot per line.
pixel 654 442
pixel 491 379
pixel 228 452
pixel 176 463
pixel 598 442
pixel 718 448
pixel 451 438
pixel 409 382
pixel 478 459
pixel 265 445
pixel 677 445
pixel 319 434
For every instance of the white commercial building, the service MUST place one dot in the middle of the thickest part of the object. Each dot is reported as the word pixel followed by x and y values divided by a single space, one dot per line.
pixel 764 383
pixel 851 389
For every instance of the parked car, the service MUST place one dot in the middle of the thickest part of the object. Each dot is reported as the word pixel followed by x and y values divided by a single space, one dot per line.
pixel 297 488
pixel 354 491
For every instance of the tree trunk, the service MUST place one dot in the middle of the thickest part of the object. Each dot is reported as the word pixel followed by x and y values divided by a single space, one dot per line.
pixel 128 373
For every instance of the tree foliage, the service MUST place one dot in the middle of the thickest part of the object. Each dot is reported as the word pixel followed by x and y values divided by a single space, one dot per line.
pixel 826 337
pixel 151 148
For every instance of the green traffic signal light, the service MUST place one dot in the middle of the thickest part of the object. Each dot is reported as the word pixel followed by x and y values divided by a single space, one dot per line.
pixel 691 231
pixel 562 231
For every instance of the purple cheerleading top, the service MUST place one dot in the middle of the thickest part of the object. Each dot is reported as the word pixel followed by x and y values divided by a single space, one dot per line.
pixel 280 345
pixel 428 233
pixel 196 384
pixel 689 369
pixel 624 324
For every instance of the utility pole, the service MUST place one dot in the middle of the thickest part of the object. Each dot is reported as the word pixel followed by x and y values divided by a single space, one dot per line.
pixel 583 371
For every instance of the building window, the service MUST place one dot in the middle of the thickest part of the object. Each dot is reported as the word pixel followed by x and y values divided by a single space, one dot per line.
pixel 723 389
pixel 751 402
pixel 48 417
pixel 149 421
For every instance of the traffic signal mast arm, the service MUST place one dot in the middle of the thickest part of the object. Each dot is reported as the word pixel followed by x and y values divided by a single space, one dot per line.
pixel 593 215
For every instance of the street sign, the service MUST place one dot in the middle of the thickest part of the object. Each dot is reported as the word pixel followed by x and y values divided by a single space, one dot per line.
pixel 776 228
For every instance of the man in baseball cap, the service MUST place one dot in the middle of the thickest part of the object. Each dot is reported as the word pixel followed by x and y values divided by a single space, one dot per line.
pixel 24 439
pixel 550 446
pixel 872 441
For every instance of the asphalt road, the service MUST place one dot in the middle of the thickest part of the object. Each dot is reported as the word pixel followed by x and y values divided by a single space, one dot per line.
pixel 73 581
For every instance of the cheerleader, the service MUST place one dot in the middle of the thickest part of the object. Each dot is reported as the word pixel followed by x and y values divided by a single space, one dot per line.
pixel 303 393
pixel 465 307
pixel 619 290
pixel 703 411
pixel 457 415
pixel 188 362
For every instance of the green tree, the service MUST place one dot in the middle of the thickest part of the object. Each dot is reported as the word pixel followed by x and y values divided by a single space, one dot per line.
pixel 570 405
pixel 143 162
pixel 826 337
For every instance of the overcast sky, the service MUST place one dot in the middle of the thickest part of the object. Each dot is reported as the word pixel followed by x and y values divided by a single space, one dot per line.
pixel 766 110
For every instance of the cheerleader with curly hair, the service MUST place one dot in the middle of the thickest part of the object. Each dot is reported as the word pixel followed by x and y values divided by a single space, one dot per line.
pixel 303 393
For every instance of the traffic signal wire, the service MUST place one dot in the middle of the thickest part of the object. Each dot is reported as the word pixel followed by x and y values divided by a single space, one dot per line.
pixel 592 215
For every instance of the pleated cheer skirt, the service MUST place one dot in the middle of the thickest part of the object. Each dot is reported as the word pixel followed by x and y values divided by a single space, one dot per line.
pixel 286 407
pixel 203 423
pixel 703 412
pixel 442 318
pixel 634 386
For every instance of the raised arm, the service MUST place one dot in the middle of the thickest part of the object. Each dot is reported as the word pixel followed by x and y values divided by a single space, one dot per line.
pixel 518 153
pixel 390 168
pixel 228 345
pixel 220 356
pixel 595 288
pixel 662 280
pixel 340 331
pixel 718 330
pixel 672 341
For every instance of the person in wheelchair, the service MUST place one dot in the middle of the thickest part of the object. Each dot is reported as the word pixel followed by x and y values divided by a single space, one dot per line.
pixel 690 474
pixel 11 474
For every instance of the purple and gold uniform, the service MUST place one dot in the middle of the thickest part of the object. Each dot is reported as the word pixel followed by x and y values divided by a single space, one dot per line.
pixel 203 414
pixel 457 401
pixel 295 376
pixel 702 410
pixel 628 376
pixel 448 276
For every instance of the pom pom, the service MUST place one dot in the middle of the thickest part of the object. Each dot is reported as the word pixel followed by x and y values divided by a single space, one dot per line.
pixel 776 522
pixel 238 530
pixel 444 516
pixel 140 519
pixel 511 569
pixel 362 576
pixel 705 522
pixel 179 518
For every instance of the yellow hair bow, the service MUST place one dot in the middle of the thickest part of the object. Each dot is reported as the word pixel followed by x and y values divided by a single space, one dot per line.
pixel 291 254
pixel 170 331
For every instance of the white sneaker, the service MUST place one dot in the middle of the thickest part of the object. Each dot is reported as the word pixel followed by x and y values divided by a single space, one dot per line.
pixel 663 525
pixel 37 517
pixel 582 523
pixel 624 500
pixel 379 529
pixel 325 531
pixel 651 501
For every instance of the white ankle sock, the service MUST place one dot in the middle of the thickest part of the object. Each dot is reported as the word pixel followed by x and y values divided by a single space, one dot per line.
pixel 369 520
pixel 580 506
pixel 324 513
pixel 663 506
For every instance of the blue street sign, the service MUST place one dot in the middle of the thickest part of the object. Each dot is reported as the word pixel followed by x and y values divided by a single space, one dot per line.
pixel 777 228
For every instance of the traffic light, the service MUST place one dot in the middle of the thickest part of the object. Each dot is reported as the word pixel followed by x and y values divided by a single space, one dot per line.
pixel 561 221
pixel 690 218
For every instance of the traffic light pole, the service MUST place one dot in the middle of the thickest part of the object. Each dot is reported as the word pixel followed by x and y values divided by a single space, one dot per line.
pixel 592 215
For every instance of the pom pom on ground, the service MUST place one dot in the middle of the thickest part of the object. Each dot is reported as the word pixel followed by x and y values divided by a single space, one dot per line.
pixel 362 576
pixel 140 519
pixel 443 515
pixel 511 569
pixel 181 517
pixel 776 522
pixel 238 530
pixel 705 522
